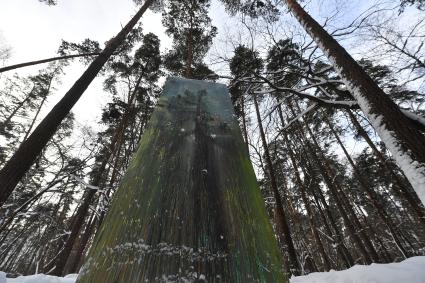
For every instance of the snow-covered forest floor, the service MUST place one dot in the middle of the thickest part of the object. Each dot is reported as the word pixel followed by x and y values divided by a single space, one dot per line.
pixel 411 270
pixel 39 278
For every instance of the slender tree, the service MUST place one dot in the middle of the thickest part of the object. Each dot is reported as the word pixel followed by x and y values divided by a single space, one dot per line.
pixel 188 23
pixel 246 61
pixel 32 63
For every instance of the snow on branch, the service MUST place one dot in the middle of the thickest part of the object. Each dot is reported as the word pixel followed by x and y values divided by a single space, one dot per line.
pixel 298 117
pixel 82 182
pixel 348 104
pixel 419 121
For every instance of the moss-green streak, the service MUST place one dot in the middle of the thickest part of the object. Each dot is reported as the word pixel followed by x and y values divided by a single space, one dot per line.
pixel 189 207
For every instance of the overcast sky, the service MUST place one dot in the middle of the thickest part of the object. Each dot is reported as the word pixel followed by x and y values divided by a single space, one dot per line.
pixel 34 31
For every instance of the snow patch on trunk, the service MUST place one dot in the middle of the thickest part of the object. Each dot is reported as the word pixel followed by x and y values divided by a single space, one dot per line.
pixel 414 171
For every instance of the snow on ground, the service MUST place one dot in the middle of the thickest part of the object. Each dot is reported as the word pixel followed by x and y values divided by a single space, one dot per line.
pixel 39 278
pixel 411 270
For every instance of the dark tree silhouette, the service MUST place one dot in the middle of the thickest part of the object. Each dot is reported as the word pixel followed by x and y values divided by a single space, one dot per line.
pixel 26 154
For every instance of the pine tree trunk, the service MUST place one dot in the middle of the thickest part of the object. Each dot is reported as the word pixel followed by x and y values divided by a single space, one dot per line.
pixel 73 265
pixel 399 189
pixel 347 222
pixel 38 110
pixel 401 137
pixel 300 184
pixel 372 195
pixel 189 72
pixel 32 63
pixel 341 248
pixel 34 119
pixel 27 153
pixel 325 259
pixel 369 254
pixel 295 266
pixel 244 124
pixel 57 265
pixel 339 192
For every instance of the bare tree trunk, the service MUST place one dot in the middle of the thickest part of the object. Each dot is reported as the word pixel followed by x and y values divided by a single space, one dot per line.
pixel 341 249
pixel 340 246
pixel 294 264
pixel 117 140
pixel 26 154
pixel 77 259
pixel 399 189
pixel 121 130
pixel 32 63
pixel 325 259
pixel 347 222
pixel 189 61
pixel 373 197
pixel 188 73
pixel 343 199
pixel 38 110
pixel 244 124
pixel 57 265
pixel 401 137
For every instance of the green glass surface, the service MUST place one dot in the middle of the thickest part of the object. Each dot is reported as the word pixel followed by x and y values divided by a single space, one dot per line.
pixel 189 208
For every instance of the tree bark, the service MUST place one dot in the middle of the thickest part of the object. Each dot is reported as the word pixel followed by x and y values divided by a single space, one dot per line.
pixel 189 72
pixel 340 246
pixel 399 189
pixel 372 195
pixel 38 110
pixel 189 61
pixel 295 266
pixel 26 154
pixel 339 194
pixel 244 124
pixel 77 259
pixel 325 259
pixel 57 265
pixel 347 222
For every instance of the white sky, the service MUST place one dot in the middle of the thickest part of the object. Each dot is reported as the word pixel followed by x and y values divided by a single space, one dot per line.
pixel 34 31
